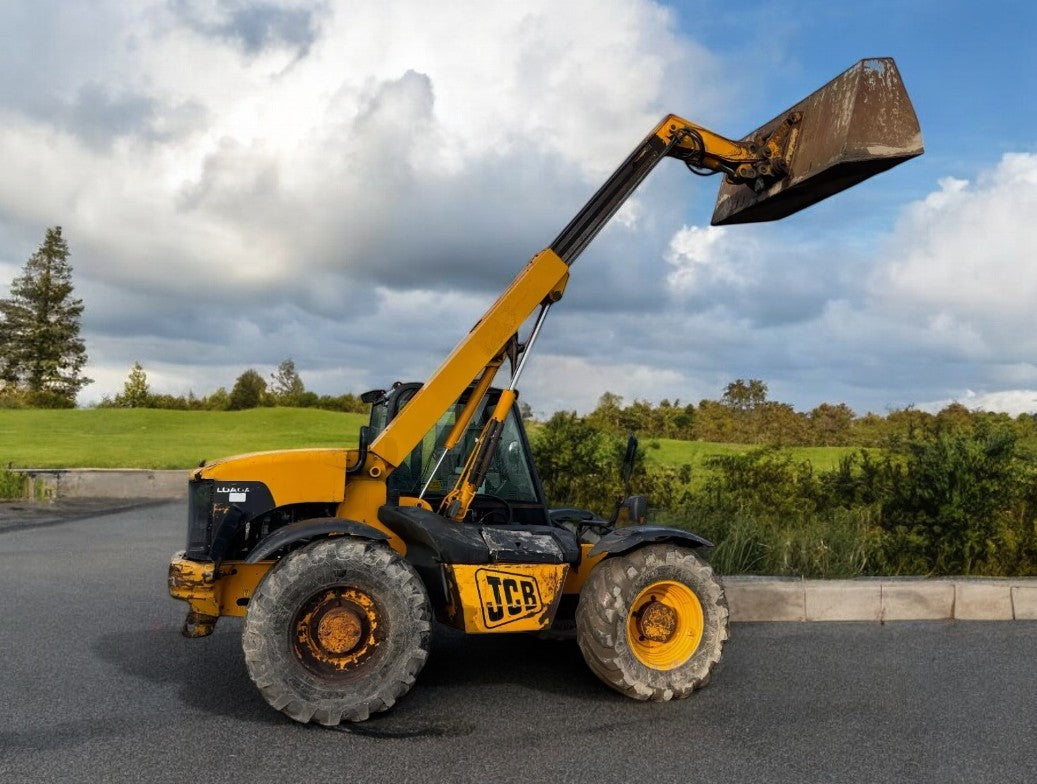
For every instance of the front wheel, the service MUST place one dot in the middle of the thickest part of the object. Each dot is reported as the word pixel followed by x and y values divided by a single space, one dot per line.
pixel 337 630
pixel 652 623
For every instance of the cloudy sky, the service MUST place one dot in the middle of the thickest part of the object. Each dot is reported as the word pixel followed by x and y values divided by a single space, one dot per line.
pixel 350 184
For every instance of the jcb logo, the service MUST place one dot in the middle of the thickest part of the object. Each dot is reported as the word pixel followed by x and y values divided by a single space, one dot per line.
pixel 506 597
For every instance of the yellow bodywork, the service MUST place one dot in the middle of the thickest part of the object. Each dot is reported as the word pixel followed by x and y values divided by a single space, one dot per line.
pixel 577 576
pixel 310 475
pixel 292 475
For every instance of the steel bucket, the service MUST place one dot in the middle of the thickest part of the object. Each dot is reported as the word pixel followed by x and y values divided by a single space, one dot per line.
pixel 859 124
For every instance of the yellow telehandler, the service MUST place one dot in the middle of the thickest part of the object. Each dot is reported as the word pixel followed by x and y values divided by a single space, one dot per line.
pixel 339 559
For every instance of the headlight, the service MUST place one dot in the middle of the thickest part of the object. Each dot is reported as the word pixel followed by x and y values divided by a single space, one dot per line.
pixel 199 518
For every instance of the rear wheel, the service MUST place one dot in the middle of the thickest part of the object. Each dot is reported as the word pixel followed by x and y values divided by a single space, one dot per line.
pixel 336 631
pixel 652 623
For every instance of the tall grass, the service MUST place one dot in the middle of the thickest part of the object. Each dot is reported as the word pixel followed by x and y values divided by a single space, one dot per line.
pixel 670 452
pixel 845 543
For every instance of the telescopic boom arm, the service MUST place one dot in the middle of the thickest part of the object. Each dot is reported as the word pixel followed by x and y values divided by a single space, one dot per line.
pixel 543 279
pixel 857 125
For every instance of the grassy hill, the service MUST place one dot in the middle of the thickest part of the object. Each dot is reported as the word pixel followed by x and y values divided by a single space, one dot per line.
pixel 149 438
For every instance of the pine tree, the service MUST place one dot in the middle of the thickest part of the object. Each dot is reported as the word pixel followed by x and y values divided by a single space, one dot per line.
pixel 136 393
pixel 41 353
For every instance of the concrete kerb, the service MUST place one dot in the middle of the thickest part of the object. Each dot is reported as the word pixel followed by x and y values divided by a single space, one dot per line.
pixel 881 599
pixel 48 484
pixel 749 598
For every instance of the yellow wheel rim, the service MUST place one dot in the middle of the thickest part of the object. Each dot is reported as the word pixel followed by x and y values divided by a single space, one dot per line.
pixel 664 625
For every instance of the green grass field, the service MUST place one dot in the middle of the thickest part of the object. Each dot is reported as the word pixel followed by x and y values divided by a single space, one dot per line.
pixel 670 452
pixel 148 438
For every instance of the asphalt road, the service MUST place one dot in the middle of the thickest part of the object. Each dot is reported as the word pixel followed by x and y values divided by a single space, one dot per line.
pixel 96 684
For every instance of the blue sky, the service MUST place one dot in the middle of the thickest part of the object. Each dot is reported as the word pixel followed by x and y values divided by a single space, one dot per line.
pixel 968 66
pixel 350 185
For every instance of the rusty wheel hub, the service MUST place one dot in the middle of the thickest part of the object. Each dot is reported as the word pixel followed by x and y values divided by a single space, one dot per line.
pixel 339 630
pixel 336 632
pixel 656 621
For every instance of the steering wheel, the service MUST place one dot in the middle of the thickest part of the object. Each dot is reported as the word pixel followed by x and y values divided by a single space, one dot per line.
pixel 502 509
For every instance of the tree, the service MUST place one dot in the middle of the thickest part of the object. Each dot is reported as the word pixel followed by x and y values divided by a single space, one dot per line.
pixel 286 385
pixel 637 417
pixel 776 423
pixel 606 415
pixel 745 397
pixel 831 425
pixel 41 353
pixel 248 391
pixel 135 392
pixel 715 422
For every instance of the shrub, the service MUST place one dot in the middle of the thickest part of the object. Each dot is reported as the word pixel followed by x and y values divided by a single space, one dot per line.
pixel 12 485
pixel 961 501
pixel 579 464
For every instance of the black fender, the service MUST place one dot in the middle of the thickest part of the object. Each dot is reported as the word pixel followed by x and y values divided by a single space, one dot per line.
pixel 311 529
pixel 622 540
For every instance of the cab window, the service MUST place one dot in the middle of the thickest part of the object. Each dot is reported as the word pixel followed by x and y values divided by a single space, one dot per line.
pixel 509 476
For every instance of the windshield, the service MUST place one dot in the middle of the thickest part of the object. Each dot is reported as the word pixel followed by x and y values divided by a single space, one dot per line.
pixel 509 476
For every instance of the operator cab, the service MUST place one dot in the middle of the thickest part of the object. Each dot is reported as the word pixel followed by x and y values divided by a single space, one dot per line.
pixel 511 492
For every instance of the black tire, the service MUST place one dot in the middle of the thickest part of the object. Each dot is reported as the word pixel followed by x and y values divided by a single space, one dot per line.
pixel 609 634
pixel 337 630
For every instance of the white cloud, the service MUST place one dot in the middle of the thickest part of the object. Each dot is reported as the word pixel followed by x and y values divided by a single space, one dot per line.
pixel 296 161
pixel 219 167
pixel 630 214
pixel 957 275
pixel 942 303
pixel 964 255
pixel 703 254
pixel 1009 401
pixel 555 383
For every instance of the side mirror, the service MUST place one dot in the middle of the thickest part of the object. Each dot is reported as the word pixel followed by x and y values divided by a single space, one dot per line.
pixel 632 511
pixel 372 396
